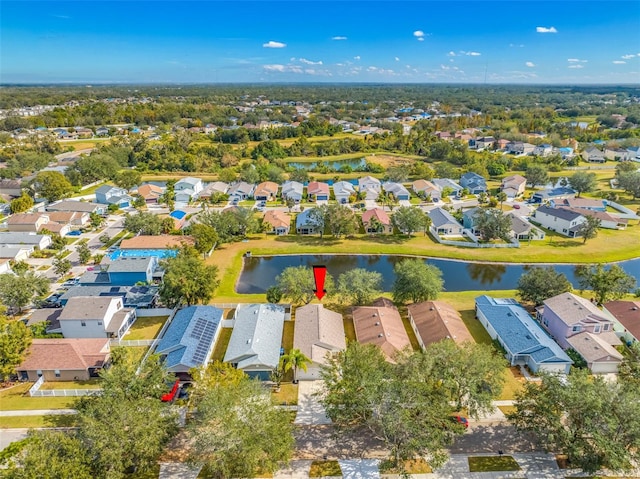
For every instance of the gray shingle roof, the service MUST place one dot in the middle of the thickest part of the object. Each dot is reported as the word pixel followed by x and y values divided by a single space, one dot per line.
pixel 440 217
pixel 562 213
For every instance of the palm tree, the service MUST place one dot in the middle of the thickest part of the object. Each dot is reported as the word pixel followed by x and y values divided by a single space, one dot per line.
pixel 293 360
pixel 501 197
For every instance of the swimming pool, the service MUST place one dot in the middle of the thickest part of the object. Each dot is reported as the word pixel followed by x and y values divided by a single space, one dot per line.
pixel 138 253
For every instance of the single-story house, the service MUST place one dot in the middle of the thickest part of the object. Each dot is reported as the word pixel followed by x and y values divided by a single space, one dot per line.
pixel 343 190
pixel 426 189
pixel 48 315
pixel 318 334
pixel 10 187
pixel 398 190
pixel 15 253
pixel 561 220
pixel 443 223
pixel 617 154
pixel 433 321
pixel 95 317
pixel 376 220
pixel 151 193
pixel 306 223
pixel 582 203
pixel 214 188
pixel 318 191
pixel 293 190
pixel 156 242
pixel 241 190
pixel 524 341
pixel 256 339
pixel 73 218
pixel 279 221
pixel 64 359
pixel 27 222
pixel 22 240
pixel 601 357
pixel 189 340
pixel 266 191
pixel 454 187
pixel 475 183
pixel 593 155
pixel 549 194
pixel 187 189
pixel 514 186
pixel 381 325
pixel 521 229
pixel 113 195
pixel 80 206
pixel 370 186
pixel 626 318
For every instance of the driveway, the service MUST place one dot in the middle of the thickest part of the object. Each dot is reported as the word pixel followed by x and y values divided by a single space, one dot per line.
pixel 359 468
pixel 310 411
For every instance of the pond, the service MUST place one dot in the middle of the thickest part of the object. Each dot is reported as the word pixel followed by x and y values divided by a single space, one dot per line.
pixel 259 273
pixel 332 165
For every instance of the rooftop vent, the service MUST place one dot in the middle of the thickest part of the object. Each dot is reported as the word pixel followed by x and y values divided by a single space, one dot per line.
pixel 377 323
pixel 381 335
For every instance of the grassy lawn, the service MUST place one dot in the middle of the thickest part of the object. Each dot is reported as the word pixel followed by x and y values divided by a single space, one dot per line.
pixel 288 394
pixel 325 468
pixel 89 191
pixel 221 344
pixel 66 420
pixel 90 384
pixel 138 352
pixel 146 327
pixel 17 399
pixel 507 409
pixel 287 335
pixel 492 463
pixel 415 466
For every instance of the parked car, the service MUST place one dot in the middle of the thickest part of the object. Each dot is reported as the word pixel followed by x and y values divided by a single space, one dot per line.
pixel 461 420
pixel 74 233
pixel 516 206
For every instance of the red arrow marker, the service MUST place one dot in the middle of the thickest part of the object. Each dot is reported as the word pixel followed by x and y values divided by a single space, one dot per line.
pixel 319 275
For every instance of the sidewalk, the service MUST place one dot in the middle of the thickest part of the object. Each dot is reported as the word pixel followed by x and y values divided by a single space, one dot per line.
pixel 37 412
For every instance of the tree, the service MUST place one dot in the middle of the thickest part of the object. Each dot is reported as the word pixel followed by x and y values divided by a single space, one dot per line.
pixel 96 220
pixel 589 229
pixel 15 339
pixel 416 281
pixel 290 202
pixel 501 197
pixel 187 279
pixel 236 431
pixel 629 182
pixel 143 223
pixel 52 185
pixel 61 265
pixel 17 291
pixel 22 204
pixel 84 253
pixel 340 220
pixel 297 284
pixel 593 421
pixel 274 295
pixel 232 224
pixel 540 283
pixel 128 179
pixel 205 237
pixel 51 455
pixel 582 182
pixel 359 286
pixel 295 359
pixel 607 285
pixel 536 174
pixel 409 219
pixel 300 175
pixel 127 426
pixel 492 224
pixel 398 174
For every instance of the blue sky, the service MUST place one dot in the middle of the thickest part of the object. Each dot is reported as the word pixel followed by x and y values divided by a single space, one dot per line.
pixel 571 42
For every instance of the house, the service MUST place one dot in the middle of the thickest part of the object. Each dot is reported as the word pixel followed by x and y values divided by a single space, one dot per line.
pixel 138 297
pixel 546 195
pixel 524 341
pixel 27 222
pixel 212 189
pixel 607 220
pixel 582 203
pixel 79 206
pixel 469 218
pixel 565 152
pixel 543 150
pixel 443 183
pixel 443 223
pixel 46 315
pixel 370 186
pixel 398 191
pixel 102 131
pixel 318 334
pixel 426 189
pixel 514 186
pixel 633 153
pixel 343 190
pixel 72 218
pixel 626 318
pixel 128 271
pixel 187 189
pixel 521 229
pixel 64 359
pixel 593 155
pixel 266 191
pixel 163 242
pixel 433 321
pixel 190 338
pixel 318 191
pixel 381 325
pixel 24 240
pixel 561 220
pixel 618 154
pixel 256 339
pixel 15 253
pixel 473 182
pixel 566 315
pixel 601 357
pixel 151 193
pixel 293 190
pixel 279 221
pixel 306 224
pixel 482 143
pixel 95 317
pixel 10 187
pixel 519 148
pixel 112 195
pixel 241 190
pixel 376 220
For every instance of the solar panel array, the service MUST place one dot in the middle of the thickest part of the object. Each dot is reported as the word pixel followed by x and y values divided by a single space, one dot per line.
pixel 203 332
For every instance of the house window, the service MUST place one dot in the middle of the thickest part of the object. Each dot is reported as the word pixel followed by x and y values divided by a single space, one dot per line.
pixel 99 323
pixel 576 328
pixel 83 323
pixel 605 327
pixel 596 328
pixel 57 373
pixel 39 372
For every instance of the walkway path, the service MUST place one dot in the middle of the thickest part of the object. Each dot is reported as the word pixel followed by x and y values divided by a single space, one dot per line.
pixel 359 468
pixel 176 470
pixel 310 411
pixel 38 412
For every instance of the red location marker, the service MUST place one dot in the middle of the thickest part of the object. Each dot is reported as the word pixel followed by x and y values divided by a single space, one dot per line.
pixel 319 275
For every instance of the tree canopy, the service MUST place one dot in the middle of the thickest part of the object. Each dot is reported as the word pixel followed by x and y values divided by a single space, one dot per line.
pixel 540 283
pixel 416 281
pixel 188 279
pixel 606 284
pixel 582 182
pixel 491 224
pixel 298 284
pixel 409 219
pixel 15 339
pixel 20 289
pixel 52 185
pixel 359 286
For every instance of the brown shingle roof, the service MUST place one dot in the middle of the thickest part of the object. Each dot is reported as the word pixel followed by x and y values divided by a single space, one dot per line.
pixel 378 213
pixel 156 242
pixel 381 325
pixel 628 314
pixel 23 219
pixel 436 321
pixel 277 219
pixel 592 348
pixel 150 191
pixel 73 354
pixel 316 187
pixel 318 331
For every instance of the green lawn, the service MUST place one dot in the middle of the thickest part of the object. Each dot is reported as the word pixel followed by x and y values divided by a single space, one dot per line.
pixel 288 394
pixel 221 344
pixel 90 384
pixel 17 399
pixel 65 420
pixel 325 468
pixel 146 328
pixel 287 335
pixel 492 463
pixel 415 466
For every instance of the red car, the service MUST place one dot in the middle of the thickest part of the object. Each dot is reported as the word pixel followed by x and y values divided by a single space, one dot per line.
pixel 516 206
pixel 461 420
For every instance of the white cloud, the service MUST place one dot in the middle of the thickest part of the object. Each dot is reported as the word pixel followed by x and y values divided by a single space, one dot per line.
pixel 357 58
pixel 576 60
pixel 309 62
pixel 421 39
pixel 452 54
pixel 546 30
pixel 627 57
pixel 530 64
pixel 469 54
pixel 338 38
pixel 272 44
pixel 513 45
pixel 576 65
pixel 274 68
pixel 397 59
pixel 618 62
pixel 418 34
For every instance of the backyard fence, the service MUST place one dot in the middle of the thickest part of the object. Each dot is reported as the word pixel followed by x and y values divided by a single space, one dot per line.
pixel 513 243
pixel 130 342
pixel 35 391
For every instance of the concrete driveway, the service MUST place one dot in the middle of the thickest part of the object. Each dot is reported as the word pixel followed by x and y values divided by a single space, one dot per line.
pixel 310 411
pixel 359 468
